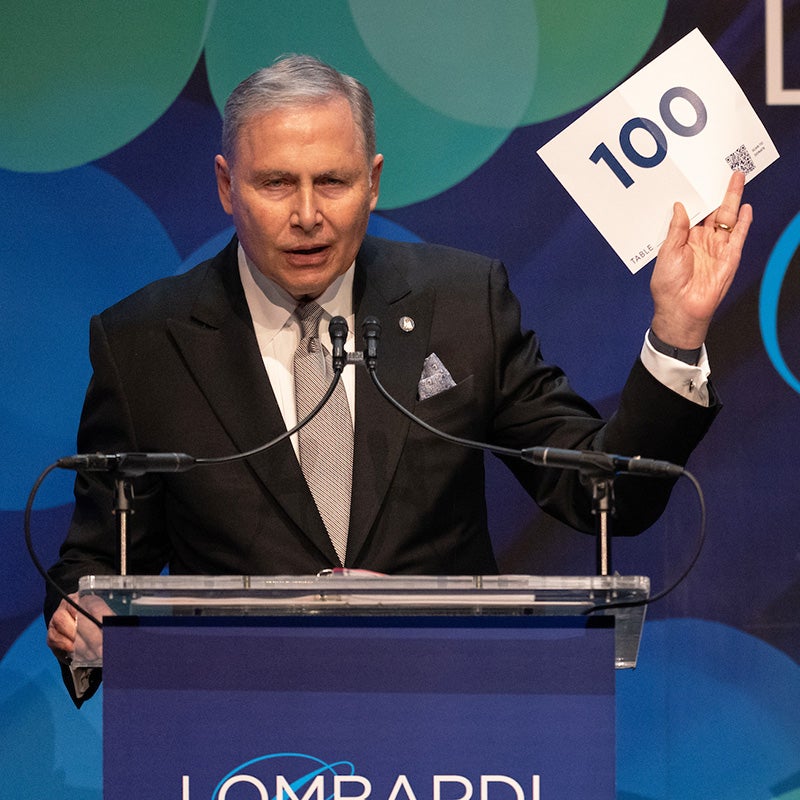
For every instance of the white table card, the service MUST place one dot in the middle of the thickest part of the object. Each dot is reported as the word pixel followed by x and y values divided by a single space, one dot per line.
pixel 673 131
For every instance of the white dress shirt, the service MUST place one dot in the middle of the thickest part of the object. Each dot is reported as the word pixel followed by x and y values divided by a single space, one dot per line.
pixel 278 332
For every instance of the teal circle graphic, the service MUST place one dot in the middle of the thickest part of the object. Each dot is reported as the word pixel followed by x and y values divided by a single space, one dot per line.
pixel 771 283
pixel 75 242
pixel 426 151
pixel 450 80
pixel 585 49
pixel 50 748
pixel 470 61
pixel 709 712
pixel 80 80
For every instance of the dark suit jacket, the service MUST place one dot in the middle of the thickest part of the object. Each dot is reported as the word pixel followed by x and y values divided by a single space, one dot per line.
pixel 177 368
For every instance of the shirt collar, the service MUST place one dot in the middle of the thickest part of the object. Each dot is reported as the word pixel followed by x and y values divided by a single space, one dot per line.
pixel 271 306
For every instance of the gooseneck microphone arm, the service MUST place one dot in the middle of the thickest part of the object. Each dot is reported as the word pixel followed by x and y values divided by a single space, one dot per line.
pixel 599 470
pixel 132 465
pixel 598 467
pixel 586 461
pixel 125 466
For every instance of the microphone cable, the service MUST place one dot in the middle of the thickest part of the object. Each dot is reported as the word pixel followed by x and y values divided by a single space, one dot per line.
pixel 578 463
pixel 169 462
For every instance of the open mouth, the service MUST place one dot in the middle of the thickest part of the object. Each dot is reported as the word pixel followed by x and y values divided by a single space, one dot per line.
pixel 308 251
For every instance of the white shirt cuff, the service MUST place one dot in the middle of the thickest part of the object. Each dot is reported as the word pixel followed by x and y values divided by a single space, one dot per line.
pixel 687 380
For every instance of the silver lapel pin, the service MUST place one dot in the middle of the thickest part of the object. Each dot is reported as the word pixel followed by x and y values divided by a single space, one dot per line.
pixel 406 324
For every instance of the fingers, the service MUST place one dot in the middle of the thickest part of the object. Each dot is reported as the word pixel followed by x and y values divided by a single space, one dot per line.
pixel 678 230
pixel 62 631
pixel 739 232
pixel 89 643
pixel 725 218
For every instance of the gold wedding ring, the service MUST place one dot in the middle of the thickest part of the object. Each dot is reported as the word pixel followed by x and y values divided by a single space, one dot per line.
pixel 723 227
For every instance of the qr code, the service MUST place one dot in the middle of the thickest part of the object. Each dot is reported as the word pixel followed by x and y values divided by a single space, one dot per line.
pixel 741 160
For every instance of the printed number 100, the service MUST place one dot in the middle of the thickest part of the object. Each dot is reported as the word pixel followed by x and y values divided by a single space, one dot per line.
pixel 602 153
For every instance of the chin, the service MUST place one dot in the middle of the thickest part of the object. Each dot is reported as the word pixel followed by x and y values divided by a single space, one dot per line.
pixel 308 291
pixel 313 286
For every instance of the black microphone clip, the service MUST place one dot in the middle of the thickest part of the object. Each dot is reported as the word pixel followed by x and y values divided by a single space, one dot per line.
pixel 371 330
pixel 337 328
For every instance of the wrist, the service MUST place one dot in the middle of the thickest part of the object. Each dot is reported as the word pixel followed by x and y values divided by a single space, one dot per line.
pixel 689 355
pixel 679 330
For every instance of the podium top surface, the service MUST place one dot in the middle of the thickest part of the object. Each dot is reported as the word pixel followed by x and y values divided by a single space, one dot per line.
pixel 346 592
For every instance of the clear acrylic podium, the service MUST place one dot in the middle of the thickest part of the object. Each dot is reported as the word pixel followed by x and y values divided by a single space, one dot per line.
pixel 367 594
pixel 343 687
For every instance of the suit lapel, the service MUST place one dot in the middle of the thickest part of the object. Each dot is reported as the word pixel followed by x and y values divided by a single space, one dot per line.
pixel 381 290
pixel 220 350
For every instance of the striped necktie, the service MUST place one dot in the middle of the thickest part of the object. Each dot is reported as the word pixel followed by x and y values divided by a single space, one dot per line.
pixel 326 443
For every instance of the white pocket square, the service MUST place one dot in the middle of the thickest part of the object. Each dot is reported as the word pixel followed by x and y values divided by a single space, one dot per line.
pixel 435 378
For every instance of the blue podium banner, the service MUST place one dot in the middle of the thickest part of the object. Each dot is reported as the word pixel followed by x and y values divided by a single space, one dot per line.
pixel 366 708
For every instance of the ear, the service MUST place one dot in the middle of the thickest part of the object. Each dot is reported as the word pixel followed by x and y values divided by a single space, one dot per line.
pixel 375 175
pixel 223 174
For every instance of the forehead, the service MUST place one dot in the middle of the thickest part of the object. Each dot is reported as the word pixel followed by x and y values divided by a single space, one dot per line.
pixel 301 130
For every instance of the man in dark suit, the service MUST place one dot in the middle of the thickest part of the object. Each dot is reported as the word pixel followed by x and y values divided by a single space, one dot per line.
pixel 203 364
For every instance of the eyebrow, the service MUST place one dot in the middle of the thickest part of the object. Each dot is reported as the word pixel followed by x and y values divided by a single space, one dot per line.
pixel 272 174
pixel 264 174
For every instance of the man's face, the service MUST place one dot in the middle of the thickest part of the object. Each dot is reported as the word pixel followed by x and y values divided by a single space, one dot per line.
pixel 300 190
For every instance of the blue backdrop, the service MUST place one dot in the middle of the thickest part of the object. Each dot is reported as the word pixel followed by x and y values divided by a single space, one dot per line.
pixel 110 121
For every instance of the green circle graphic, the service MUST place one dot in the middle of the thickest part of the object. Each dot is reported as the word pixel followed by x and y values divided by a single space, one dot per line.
pixel 80 80
pixel 450 80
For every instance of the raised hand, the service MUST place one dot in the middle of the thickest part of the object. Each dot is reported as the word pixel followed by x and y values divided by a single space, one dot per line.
pixel 695 268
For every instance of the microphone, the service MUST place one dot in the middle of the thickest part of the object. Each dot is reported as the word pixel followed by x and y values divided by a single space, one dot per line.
pixel 592 461
pixel 589 462
pixel 371 330
pixel 130 464
pixel 337 328
pixel 123 466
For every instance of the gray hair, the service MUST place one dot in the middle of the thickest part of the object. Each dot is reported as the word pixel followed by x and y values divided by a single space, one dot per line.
pixel 296 80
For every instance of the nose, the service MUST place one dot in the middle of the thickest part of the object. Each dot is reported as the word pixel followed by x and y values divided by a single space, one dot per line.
pixel 306 214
